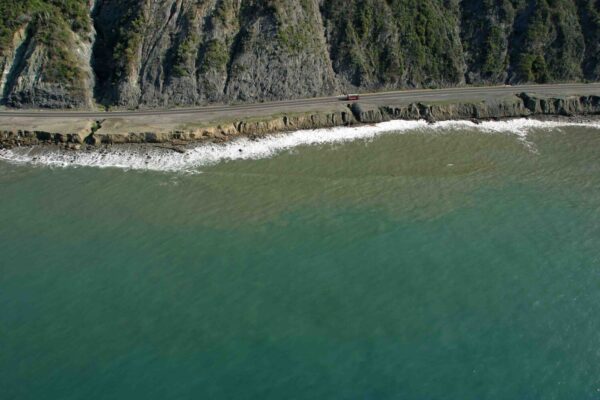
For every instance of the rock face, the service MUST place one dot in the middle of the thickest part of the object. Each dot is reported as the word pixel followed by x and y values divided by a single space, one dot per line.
pixel 188 52
pixel 157 53
pixel 524 105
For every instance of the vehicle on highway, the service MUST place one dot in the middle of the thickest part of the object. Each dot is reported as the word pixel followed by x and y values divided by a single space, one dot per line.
pixel 352 97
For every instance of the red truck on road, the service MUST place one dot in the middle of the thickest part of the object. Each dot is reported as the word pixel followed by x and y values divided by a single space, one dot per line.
pixel 352 97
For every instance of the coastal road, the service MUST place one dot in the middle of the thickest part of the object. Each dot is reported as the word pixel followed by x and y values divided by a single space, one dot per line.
pixel 395 97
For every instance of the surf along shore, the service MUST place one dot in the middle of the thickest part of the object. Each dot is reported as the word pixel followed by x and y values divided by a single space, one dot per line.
pixel 175 132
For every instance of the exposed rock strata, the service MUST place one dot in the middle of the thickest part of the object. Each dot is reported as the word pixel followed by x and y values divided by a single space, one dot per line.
pixel 524 105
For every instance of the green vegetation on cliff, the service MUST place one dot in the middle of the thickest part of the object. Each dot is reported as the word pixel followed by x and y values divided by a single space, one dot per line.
pixel 62 14
pixel 41 52
pixel 12 12
pixel 62 65
pixel 551 43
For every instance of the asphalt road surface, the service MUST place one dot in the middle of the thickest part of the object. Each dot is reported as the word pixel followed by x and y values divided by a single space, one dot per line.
pixel 396 97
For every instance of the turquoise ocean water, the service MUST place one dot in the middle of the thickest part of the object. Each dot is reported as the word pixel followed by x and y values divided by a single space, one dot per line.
pixel 435 263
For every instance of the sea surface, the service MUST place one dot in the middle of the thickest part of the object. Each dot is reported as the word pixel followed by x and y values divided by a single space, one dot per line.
pixel 397 261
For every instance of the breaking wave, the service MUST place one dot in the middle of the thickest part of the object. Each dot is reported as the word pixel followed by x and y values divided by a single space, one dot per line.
pixel 157 159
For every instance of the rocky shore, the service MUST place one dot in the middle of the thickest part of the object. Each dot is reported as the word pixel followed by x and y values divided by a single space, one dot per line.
pixel 91 134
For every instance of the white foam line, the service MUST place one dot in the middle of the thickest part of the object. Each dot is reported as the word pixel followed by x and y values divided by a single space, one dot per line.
pixel 152 159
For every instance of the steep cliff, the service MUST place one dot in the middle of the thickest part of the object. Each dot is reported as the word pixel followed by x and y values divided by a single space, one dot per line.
pixel 156 53
pixel 189 52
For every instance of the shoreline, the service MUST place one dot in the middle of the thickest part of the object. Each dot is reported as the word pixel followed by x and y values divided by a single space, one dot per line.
pixel 195 155
pixel 79 134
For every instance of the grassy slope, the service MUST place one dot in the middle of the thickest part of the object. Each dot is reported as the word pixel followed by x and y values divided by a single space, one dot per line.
pixel 50 23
